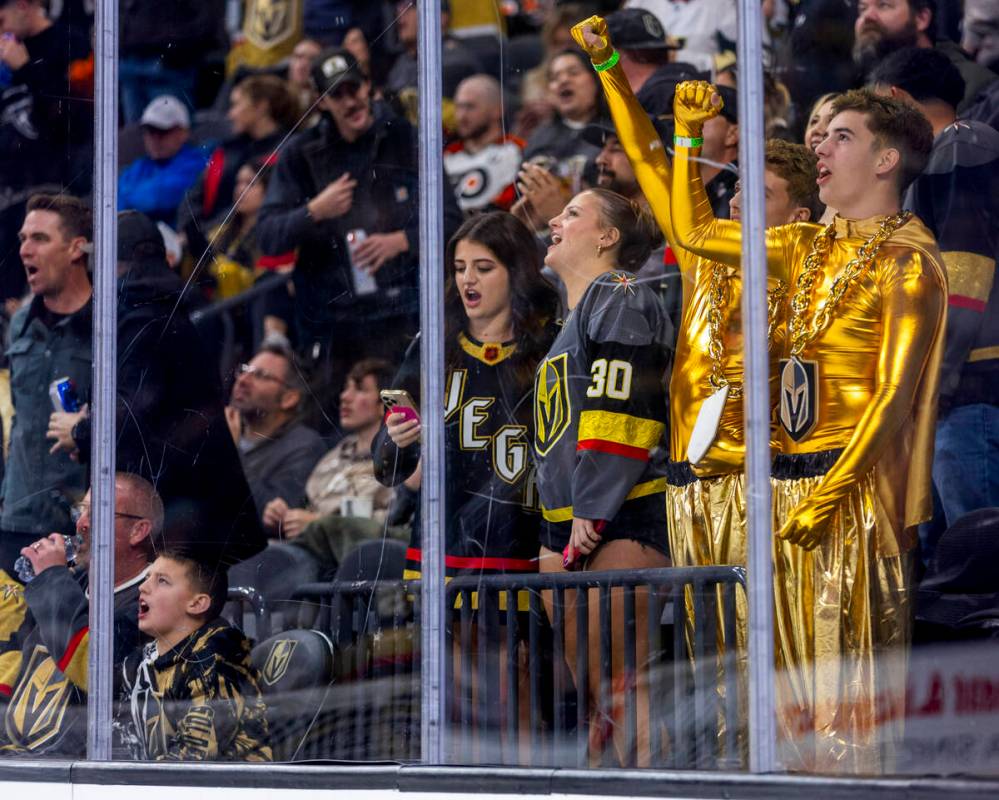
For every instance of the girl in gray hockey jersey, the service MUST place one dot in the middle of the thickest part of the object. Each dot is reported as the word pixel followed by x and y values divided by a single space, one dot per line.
pixel 600 406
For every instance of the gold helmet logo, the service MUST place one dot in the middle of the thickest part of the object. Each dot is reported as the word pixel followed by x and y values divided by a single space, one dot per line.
pixel 799 397
pixel 270 22
pixel 39 704
pixel 278 660
pixel 552 411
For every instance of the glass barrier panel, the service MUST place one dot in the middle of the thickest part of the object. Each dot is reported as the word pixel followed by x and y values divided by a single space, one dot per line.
pixel 46 378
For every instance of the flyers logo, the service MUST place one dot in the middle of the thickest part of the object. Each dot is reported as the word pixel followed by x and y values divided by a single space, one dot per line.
pixel 277 660
pixel 552 411
pixel 39 705
pixel 270 22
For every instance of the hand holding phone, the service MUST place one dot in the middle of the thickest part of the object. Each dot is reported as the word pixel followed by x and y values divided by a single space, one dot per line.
pixel 399 403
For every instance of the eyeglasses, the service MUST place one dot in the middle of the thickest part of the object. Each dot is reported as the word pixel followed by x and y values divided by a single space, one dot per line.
pixel 258 374
pixel 78 510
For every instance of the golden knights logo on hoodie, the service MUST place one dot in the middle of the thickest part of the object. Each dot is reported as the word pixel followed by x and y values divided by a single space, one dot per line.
pixel 39 705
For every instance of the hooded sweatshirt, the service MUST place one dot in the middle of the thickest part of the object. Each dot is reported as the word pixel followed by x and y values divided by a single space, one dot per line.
pixel 198 702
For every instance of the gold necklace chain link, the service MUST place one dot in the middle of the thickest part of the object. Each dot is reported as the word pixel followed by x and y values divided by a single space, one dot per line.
pixel 717 300
pixel 803 333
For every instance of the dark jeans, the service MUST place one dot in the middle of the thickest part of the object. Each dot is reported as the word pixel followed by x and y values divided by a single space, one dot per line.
pixel 965 466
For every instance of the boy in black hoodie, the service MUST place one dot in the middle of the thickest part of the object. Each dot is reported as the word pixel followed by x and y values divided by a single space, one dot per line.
pixel 192 693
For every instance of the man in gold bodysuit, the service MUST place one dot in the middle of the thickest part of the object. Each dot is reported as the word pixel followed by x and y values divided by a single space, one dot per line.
pixel 706 499
pixel 857 409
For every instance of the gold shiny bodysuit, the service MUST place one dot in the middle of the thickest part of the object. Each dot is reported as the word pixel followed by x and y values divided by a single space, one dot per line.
pixel 705 507
pixel 842 609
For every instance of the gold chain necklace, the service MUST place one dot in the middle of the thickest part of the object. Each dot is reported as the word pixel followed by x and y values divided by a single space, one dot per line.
pixel 717 301
pixel 799 378
pixel 801 332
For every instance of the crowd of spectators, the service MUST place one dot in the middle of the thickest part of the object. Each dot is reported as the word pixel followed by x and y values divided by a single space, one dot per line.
pixel 268 273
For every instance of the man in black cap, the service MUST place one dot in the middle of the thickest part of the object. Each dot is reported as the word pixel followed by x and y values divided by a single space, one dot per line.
pixel 344 195
pixel 171 427
pixel 647 57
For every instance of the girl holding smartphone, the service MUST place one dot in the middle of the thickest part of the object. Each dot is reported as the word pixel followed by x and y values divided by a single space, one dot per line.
pixel 500 320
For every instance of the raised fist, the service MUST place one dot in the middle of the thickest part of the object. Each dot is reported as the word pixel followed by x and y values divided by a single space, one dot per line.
pixel 694 104
pixel 591 35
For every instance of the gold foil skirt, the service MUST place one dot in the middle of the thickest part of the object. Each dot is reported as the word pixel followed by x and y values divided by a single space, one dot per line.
pixel 842 628
pixel 707 527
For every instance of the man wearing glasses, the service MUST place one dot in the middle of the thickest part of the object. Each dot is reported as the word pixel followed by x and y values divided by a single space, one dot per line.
pixel 46 713
pixel 277 450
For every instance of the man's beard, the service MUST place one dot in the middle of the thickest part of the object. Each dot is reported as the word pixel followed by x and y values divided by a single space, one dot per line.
pixel 610 180
pixel 476 132
pixel 873 43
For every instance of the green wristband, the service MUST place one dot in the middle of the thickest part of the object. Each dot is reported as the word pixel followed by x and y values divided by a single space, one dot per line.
pixel 610 62
pixel 686 141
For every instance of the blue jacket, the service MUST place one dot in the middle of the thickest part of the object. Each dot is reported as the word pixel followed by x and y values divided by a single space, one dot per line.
pixel 156 188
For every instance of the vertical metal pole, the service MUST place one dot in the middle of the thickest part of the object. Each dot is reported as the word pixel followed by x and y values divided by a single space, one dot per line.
pixel 762 723
pixel 433 687
pixel 101 654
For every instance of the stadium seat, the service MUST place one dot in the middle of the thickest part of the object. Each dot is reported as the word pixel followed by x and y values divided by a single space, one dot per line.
pixel 295 673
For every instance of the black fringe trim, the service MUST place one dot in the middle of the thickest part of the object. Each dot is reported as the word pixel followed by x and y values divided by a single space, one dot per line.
pixel 679 473
pixel 792 466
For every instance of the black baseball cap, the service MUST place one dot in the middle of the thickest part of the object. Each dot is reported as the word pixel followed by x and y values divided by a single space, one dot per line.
pixel 139 240
pixel 638 29
pixel 730 107
pixel 334 66
pixel 596 133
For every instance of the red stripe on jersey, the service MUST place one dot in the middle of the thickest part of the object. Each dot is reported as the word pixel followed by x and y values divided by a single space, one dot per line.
pixel 463 562
pixel 669 257
pixel 970 303
pixel 273 262
pixel 6 690
pixel 213 176
pixel 71 650
pixel 614 449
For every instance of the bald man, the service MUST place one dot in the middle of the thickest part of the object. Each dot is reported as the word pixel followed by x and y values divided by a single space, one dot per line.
pixel 482 162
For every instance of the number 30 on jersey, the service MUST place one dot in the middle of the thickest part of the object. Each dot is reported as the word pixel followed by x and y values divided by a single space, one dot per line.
pixel 610 379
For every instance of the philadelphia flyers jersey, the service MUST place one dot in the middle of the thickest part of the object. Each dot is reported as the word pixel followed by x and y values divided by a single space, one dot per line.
pixel 600 415
pixel 491 509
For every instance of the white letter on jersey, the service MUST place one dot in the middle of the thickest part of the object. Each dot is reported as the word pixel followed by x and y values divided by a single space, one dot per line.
pixel 455 391
pixel 510 452
pixel 474 414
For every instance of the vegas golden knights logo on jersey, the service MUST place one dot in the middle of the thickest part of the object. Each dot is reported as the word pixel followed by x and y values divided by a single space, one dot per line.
pixel 38 707
pixel 552 412
pixel 270 22
pixel 277 660
pixel 799 397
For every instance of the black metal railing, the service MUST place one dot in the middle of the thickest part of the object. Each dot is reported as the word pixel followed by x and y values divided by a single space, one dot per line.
pixel 539 717
pixel 247 603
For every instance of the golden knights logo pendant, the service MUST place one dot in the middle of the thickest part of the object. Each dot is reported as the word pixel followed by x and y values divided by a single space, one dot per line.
pixel 799 396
